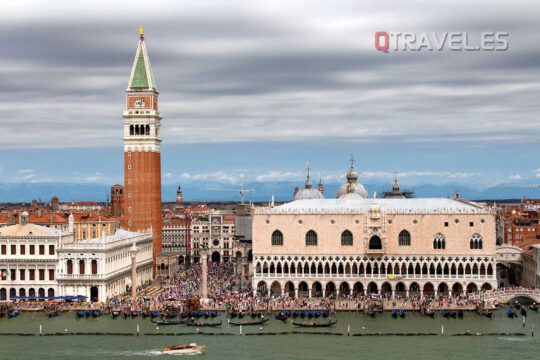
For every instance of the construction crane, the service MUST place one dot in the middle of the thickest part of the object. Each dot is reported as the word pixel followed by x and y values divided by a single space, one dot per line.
pixel 242 191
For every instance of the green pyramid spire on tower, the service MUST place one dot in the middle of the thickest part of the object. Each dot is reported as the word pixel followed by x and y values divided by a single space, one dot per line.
pixel 142 77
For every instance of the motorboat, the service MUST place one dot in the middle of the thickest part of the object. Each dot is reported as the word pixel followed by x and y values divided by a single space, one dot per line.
pixel 191 349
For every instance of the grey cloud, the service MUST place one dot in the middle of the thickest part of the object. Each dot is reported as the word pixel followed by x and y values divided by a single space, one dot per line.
pixel 234 72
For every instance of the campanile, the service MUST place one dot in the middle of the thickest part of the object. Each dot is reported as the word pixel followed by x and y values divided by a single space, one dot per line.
pixel 142 150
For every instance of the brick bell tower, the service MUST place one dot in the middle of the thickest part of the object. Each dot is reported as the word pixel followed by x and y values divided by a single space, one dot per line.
pixel 142 151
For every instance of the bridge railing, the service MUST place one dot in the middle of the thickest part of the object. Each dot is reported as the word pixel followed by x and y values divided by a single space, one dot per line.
pixel 506 292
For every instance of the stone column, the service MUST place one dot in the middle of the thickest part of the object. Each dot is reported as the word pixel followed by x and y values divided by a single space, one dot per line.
pixel 133 253
pixel 204 268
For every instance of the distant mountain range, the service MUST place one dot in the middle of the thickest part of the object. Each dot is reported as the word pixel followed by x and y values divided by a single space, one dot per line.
pixel 282 191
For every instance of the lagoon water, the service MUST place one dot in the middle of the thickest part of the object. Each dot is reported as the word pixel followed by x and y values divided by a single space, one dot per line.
pixel 227 343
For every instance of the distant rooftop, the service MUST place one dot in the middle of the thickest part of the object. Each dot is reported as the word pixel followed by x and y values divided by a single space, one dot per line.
pixel 392 206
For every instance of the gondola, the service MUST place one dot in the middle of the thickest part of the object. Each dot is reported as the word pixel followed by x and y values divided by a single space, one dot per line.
pixel 314 324
pixel 303 313
pixel 203 324
pixel 402 313
pixel 53 313
pixel 88 313
pixel 311 313
pixel 281 316
pixel 145 313
pixel 247 323
pixel 233 314
pixel 134 313
pixel 96 313
pixel 14 313
pixel 115 314
pixel 154 314
pixel 81 313
pixel 200 314
pixel 168 322
pixel 325 313
pixel 534 307
pixel 295 314
pixel 317 314
pixel 394 313
pixel 460 314
pixel 371 312
pixel 428 312
pixel 449 313
pixel 126 314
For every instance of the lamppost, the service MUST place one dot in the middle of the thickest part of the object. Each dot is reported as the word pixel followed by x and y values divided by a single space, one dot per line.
pixel 133 253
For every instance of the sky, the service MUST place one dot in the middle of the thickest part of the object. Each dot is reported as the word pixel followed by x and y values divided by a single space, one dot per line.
pixel 252 90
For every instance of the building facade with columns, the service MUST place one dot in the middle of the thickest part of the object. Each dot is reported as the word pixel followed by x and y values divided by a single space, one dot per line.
pixel 355 245
pixel 100 268
pixel 28 259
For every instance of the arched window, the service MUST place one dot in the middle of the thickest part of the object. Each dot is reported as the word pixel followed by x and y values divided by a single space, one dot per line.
pixel 476 241
pixel 346 238
pixel 136 129
pixel 375 243
pixel 311 238
pixel 131 131
pixel 439 242
pixel 94 267
pixel 147 129
pixel 277 238
pixel 404 238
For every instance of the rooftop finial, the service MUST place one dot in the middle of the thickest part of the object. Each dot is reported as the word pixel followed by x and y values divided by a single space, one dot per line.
pixel 352 161
pixel 308 168
pixel 141 32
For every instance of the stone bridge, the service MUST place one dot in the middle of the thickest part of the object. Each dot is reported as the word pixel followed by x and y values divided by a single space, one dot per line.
pixel 505 296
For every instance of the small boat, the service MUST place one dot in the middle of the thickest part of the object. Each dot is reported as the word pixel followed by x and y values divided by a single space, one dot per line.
pixel 154 314
pixel 429 312
pixel 81 313
pixel 317 314
pixel 311 313
pixel 115 314
pixel 53 313
pixel 248 323
pixel 88 313
pixel 233 314
pixel 394 313
pixel 303 313
pixel 191 349
pixel 534 307
pixel 460 314
pixel 203 324
pixel 371 312
pixel 96 313
pixel 510 313
pixel 315 324
pixel 241 314
pixel 295 314
pixel 523 312
pixel 517 305
pixel 325 313
pixel 134 313
pixel 169 322
pixel 126 314
pixel 200 314
pixel 402 313
pixel 281 316
pixel 14 313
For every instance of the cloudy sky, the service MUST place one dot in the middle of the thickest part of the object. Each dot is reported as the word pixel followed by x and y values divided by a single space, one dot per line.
pixel 252 90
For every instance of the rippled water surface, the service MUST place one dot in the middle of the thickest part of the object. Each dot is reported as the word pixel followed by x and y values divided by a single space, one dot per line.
pixel 277 340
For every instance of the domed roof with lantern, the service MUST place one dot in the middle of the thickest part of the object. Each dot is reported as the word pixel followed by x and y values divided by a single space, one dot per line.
pixel 352 188
pixel 308 192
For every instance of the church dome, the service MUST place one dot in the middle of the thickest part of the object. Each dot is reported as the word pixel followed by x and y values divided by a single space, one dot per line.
pixel 308 192
pixel 352 186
